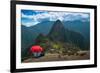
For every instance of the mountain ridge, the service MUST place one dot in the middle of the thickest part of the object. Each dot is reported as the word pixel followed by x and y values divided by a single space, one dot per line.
pixel 54 31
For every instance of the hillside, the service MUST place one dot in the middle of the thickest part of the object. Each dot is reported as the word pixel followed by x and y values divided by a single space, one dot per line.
pixel 53 35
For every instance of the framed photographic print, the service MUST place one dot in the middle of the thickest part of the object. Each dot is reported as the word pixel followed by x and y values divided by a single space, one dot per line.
pixel 52 36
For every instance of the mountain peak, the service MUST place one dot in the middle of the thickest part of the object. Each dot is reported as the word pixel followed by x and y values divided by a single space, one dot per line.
pixel 58 25
pixel 58 21
pixel 56 31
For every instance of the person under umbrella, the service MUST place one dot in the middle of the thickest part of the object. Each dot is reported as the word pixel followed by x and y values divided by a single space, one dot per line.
pixel 36 51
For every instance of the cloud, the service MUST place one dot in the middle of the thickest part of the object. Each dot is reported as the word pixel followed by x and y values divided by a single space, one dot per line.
pixel 39 16
pixel 26 16
pixel 28 24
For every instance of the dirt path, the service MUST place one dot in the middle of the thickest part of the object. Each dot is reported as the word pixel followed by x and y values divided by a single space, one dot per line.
pixel 55 57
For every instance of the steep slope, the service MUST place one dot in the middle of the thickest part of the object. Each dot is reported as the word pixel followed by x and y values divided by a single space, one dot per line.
pixel 29 34
pixel 60 34
pixel 57 32
pixel 27 39
pixel 79 26
pixel 73 32
pixel 43 27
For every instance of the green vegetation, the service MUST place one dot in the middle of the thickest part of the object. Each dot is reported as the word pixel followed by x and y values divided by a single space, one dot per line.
pixel 59 40
pixel 61 48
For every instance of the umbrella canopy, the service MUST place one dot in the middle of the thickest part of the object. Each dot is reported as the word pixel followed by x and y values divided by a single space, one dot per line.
pixel 36 48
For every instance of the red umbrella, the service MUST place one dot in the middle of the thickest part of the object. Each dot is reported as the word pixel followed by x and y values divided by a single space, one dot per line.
pixel 36 48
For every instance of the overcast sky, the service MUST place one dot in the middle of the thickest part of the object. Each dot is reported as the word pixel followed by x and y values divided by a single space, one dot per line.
pixel 31 17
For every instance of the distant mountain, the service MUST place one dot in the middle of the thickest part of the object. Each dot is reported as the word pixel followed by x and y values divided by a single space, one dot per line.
pixel 74 32
pixel 82 27
pixel 28 37
pixel 29 34
pixel 60 33
pixel 57 32
pixel 43 27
